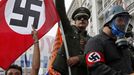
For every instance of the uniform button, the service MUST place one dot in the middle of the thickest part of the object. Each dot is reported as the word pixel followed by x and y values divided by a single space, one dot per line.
pixel 80 52
pixel 62 54
pixel 74 37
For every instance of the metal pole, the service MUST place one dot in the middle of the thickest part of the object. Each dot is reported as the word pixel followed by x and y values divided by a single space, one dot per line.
pixel 65 45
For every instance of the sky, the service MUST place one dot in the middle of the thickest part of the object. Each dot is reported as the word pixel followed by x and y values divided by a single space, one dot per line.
pixel 68 3
pixel 52 32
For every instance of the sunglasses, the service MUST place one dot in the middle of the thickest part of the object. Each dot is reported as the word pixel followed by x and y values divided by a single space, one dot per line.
pixel 81 16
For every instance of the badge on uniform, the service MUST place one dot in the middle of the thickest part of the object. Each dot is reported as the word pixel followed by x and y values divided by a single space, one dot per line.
pixel 94 57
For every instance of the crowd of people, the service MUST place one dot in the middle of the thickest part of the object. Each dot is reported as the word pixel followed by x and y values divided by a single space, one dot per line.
pixel 111 52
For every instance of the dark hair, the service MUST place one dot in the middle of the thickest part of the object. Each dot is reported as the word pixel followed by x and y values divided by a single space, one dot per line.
pixel 14 67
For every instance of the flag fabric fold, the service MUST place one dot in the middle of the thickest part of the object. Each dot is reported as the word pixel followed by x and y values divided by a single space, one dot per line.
pixel 57 45
pixel 13 43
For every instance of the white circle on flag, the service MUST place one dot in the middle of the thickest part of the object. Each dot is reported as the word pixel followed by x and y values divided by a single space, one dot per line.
pixel 94 57
pixel 10 15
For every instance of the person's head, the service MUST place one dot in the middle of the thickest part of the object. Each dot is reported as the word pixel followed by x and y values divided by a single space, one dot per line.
pixel 117 19
pixel 81 16
pixel 14 70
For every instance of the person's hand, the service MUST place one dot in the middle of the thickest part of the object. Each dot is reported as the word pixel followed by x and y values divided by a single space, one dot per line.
pixel 34 34
pixel 73 60
pixel 132 73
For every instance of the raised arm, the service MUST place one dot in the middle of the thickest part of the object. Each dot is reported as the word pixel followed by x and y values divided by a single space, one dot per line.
pixel 60 6
pixel 36 55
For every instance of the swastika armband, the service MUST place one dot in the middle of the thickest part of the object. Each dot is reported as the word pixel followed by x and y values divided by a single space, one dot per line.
pixel 94 57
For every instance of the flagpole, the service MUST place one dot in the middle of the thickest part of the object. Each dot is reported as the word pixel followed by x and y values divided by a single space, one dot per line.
pixel 65 45
pixel 25 64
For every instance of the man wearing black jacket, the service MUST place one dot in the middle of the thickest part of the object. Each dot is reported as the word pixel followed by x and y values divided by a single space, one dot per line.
pixel 107 53
pixel 76 37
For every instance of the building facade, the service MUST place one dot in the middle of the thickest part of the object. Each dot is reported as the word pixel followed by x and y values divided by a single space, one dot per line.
pixel 98 8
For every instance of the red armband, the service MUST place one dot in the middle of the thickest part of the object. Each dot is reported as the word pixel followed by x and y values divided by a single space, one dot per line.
pixel 94 57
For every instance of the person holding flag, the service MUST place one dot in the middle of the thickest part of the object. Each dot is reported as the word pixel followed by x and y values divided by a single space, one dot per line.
pixel 17 70
pixel 76 37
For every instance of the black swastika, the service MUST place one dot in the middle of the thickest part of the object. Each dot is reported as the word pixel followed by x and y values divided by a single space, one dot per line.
pixel 26 12
pixel 94 57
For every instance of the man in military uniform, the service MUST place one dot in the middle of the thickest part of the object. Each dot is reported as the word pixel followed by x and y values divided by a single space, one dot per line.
pixel 107 53
pixel 76 38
